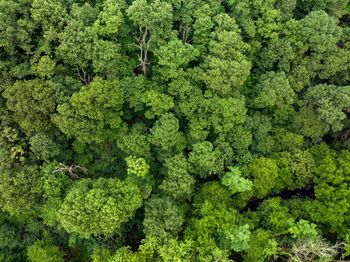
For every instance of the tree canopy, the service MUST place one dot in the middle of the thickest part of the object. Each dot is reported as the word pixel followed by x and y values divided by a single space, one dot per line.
pixel 174 130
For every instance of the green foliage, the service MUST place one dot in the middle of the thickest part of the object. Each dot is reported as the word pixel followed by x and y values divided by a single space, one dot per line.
pixel 137 166
pixel 205 160
pixel 135 142
pixel 155 16
pixel 303 230
pixel 55 185
pixel 39 251
pixel 12 148
pixel 165 133
pixel 264 174
pixel 109 19
pixel 329 102
pixel 94 113
pixel 159 103
pixel 345 247
pixel 226 67
pixel 173 130
pixel 32 103
pixel 46 67
pixel 273 90
pixel 153 249
pixel 307 123
pixel 235 239
pixel 174 56
pixel 214 222
pixel 178 183
pixel 274 215
pixel 100 255
pixel 235 182
pixel 43 147
pixel 262 246
pixel 99 207
pixel 330 208
pixel 295 169
pixel 162 218
pixel 21 192
pixel 226 113
pixel 319 32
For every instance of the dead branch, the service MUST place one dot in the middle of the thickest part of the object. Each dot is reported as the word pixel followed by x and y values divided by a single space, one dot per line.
pixel 83 76
pixel 143 44
pixel 185 33
pixel 71 170
pixel 345 135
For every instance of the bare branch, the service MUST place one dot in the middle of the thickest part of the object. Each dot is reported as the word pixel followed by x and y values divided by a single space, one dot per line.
pixel 143 44
pixel 71 170
pixel 83 76
pixel 185 33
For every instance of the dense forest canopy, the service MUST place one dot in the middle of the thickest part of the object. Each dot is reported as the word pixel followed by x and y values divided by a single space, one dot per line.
pixel 174 130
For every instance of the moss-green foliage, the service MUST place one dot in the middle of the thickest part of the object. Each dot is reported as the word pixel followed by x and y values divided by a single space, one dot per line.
pixel 92 114
pixel 174 130
pixel 41 252
pixel 33 103
pixel 21 192
pixel 234 181
pixel 99 207
pixel 177 183
pixel 162 217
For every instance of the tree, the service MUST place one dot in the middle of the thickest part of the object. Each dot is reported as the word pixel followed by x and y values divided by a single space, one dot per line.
pixel 214 223
pixel 307 123
pixel 303 230
pixel 261 21
pixel 330 209
pixel 83 43
pixel 17 35
pixel 328 101
pixel 166 135
pixel 99 207
pixel 262 246
pixel 158 103
pixel 152 248
pixel 55 187
pixel 205 160
pixel 40 251
pixel 153 21
pixel 94 113
pixel 274 215
pixel 316 28
pixel 227 67
pixel 43 147
pixel 264 174
pixel 76 41
pixel 295 169
pixel 334 8
pixel 177 183
pixel 154 16
pixel 137 166
pixel 21 192
pixel 32 102
pixel 162 218
pixel 174 130
pixel 174 57
pixel 109 19
pixel 12 148
pixel 235 239
pixel 273 91
pixel 135 142
pixel 235 182
pixel 226 113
